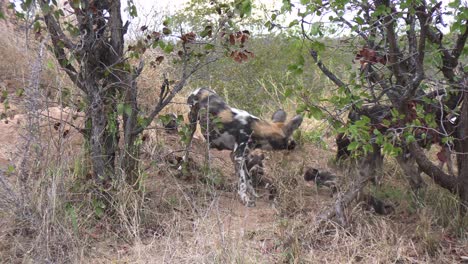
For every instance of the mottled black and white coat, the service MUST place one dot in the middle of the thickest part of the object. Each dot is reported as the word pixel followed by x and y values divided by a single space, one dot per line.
pixel 228 128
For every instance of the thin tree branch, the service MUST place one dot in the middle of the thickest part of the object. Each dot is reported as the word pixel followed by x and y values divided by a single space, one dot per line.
pixel 326 71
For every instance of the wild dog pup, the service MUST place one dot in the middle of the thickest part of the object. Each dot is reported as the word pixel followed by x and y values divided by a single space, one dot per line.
pixel 228 128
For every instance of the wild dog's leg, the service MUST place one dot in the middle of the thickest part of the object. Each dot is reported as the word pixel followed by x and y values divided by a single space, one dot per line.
pixel 256 171
pixel 255 168
pixel 193 118
pixel 246 190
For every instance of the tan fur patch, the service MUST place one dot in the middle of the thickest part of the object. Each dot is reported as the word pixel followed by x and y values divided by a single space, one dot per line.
pixel 265 129
pixel 203 94
pixel 226 116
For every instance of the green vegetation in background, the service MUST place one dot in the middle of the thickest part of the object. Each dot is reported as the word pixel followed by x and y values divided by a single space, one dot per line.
pixel 280 70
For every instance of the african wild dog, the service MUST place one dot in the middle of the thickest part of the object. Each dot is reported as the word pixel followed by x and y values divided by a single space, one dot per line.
pixel 228 128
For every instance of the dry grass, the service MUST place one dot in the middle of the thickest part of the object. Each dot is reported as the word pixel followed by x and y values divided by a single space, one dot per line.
pixel 190 221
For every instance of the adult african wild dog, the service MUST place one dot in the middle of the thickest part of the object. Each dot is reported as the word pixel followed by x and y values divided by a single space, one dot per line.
pixel 228 128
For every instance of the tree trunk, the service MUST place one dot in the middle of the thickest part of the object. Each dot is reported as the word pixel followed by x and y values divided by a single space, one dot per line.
pixel 131 150
pixel 104 139
pixel 462 156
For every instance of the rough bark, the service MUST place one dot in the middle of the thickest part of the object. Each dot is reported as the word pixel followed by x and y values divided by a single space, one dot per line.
pixel 462 156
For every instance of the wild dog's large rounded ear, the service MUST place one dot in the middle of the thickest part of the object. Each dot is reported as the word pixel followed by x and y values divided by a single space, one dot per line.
pixel 292 125
pixel 191 100
pixel 279 116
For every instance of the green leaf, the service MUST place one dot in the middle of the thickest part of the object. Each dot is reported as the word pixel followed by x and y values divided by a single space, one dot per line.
pixel 286 7
pixel 10 169
pixel 359 20
pixel 295 68
pixel 19 92
pixel 353 146
pixel 142 121
pixel 4 96
pixel 120 108
pixel 133 11
pixel 75 3
pixel 168 48
pixel 128 109
pixel 166 22
pixel 315 112
pixel 410 138
pixel 315 29
pixel 209 46
pixel 72 214
pixel 454 4
pixel 37 26
pixel 244 7
pixel 124 108
pixel 99 207
pixel 301 60
pixel 166 31
pixel 367 148
pixel 59 13
pixel 318 46
pixel 288 92
pixel 207 31
pixel 293 23
pixel 269 25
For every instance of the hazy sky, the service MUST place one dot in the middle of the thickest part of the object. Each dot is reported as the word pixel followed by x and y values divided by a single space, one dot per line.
pixel 165 5
pixel 169 7
pixel 174 5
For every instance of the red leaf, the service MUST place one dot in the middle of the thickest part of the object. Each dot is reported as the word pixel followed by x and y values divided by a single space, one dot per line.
pixel 232 39
pixel 243 57
pixel 189 37
pixel 441 156
pixel 244 38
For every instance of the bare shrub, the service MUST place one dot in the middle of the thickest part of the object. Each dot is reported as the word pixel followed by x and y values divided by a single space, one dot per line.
pixel 37 229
